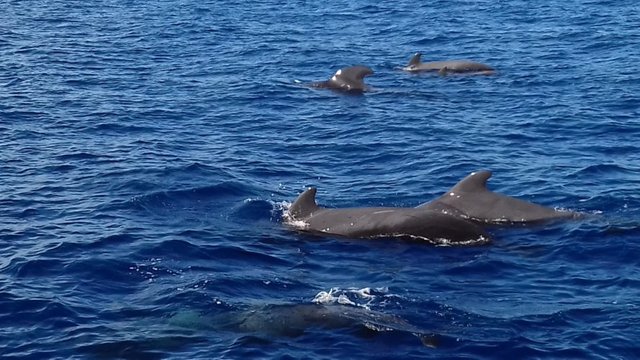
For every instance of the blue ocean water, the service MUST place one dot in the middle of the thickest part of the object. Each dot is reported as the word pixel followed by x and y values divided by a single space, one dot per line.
pixel 149 149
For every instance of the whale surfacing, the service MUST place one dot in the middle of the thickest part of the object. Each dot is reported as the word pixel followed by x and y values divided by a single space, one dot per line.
pixel 416 223
pixel 455 218
pixel 470 199
pixel 349 79
pixel 448 66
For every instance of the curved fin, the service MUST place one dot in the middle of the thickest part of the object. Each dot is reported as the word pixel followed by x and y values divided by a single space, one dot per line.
pixel 352 77
pixel 474 182
pixel 357 72
pixel 415 60
pixel 304 205
pixel 471 199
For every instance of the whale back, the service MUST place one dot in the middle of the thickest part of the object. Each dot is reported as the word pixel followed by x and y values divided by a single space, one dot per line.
pixel 425 224
pixel 351 78
pixel 447 66
pixel 470 198
pixel 346 79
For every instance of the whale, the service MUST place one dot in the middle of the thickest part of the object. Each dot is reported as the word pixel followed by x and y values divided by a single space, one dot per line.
pixel 458 217
pixel 472 200
pixel 433 226
pixel 190 327
pixel 349 79
pixel 447 66
pixel 294 320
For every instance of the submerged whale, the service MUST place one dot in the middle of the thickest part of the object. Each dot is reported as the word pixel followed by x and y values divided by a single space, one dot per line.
pixel 453 218
pixel 346 79
pixel 447 66
pixel 293 320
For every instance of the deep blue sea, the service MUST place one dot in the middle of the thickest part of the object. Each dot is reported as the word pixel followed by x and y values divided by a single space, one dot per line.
pixel 148 150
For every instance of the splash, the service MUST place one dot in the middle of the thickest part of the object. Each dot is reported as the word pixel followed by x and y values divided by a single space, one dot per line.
pixel 283 208
pixel 360 297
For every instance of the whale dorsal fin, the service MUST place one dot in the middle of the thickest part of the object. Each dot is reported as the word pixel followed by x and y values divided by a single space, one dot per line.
pixel 415 60
pixel 304 205
pixel 475 182
pixel 471 199
pixel 352 77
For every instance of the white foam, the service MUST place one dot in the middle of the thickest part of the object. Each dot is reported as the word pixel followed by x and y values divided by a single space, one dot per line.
pixel 344 300
pixel 297 224
pixel 448 242
pixel 360 297
pixel 287 219
pixel 284 205
pixel 365 293
pixel 323 297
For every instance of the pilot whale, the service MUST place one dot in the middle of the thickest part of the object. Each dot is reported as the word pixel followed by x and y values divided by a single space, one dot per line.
pixel 293 320
pixel 418 223
pixel 447 66
pixel 453 218
pixel 470 199
pixel 347 79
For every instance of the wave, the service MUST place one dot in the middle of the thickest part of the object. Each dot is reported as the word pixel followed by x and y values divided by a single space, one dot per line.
pixel 192 196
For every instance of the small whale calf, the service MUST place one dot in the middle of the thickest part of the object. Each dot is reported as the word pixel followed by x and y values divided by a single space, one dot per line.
pixel 453 218
pixel 350 79
pixel 448 66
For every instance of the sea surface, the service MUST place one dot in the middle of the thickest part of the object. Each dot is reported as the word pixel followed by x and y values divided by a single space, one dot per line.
pixel 149 149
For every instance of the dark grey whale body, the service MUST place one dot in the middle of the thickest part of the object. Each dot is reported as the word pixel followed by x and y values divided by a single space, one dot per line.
pixel 426 224
pixel 447 66
pixel 347 79
pixel 470 199
pixel 292 320
pixel 451 219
